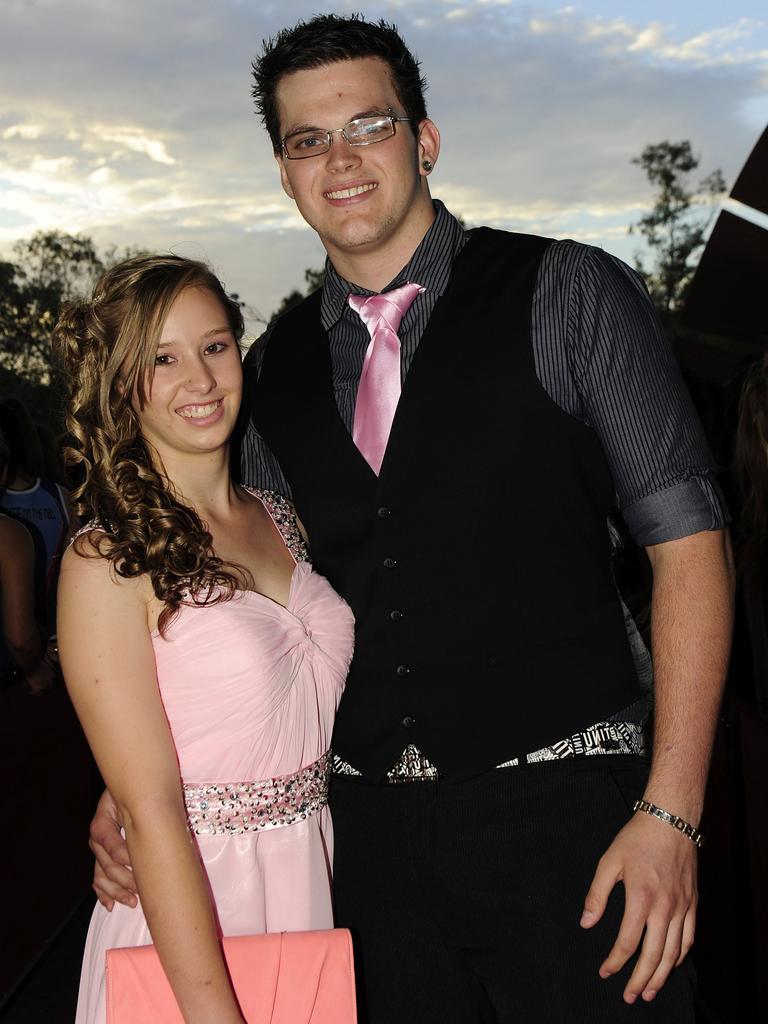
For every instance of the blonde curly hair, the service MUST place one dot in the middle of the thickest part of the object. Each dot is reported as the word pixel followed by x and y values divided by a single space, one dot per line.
pixel 106 347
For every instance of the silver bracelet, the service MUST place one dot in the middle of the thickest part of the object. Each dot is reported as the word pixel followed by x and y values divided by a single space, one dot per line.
pixel 671 819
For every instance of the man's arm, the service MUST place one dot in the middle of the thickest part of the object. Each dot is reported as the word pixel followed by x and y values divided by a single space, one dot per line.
pixel 691 628
pixel 258 466
pixel 113 880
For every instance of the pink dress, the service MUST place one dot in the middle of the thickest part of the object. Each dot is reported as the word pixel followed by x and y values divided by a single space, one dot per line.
pixel 250 689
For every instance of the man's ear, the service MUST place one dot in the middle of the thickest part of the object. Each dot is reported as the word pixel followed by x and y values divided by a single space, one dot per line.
pixel 284 176
pixel 428 145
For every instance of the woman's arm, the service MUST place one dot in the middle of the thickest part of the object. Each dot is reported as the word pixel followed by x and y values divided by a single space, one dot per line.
pixel 109 668
pixel 21 632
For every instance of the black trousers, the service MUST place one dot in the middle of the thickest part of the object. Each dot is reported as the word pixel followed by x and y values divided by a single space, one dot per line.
pixel 465 898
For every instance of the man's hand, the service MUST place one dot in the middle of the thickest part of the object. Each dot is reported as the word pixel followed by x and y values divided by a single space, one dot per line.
pixel 690 629
pixel 112 875
pixel 658 868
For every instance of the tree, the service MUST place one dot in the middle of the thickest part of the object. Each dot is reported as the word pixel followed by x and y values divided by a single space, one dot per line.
pixel 314 279
pixel 50 268
pixel 676 226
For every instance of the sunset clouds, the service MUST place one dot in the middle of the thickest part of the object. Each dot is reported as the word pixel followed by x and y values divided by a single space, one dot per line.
pixel 133 123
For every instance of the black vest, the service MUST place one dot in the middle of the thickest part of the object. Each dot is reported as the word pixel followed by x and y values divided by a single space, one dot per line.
pixel 478 563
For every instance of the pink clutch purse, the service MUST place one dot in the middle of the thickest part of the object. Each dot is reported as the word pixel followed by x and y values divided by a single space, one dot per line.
pixel 281 978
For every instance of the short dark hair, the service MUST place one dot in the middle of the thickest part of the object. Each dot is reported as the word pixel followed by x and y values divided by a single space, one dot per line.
pixel 327 39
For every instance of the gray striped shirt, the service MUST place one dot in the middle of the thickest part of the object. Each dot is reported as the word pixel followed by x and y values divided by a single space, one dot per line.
pixel 600 354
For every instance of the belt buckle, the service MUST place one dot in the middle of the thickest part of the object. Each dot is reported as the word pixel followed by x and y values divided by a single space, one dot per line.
pixel 412 766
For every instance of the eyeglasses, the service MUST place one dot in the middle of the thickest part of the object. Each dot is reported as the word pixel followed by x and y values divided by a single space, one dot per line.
pixel 362 131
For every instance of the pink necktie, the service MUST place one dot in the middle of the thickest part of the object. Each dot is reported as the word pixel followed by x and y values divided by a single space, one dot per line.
pixel 379 390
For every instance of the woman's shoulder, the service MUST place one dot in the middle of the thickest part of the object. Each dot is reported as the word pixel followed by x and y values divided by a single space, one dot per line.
pixel 88 541
pixel 87 562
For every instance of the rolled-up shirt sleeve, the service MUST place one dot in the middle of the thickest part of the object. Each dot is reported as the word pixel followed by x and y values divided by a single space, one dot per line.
pixel 632 394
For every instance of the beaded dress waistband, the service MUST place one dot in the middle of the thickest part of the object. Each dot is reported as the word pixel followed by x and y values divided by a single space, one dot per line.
pixel 221 808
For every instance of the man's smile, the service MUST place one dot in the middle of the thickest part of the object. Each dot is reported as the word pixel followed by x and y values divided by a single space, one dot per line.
pixel 351 191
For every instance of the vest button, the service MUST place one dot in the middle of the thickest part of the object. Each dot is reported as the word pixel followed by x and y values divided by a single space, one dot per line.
pixel 402 670
pixel 395 615
pixel 383 512
pixel 389 563
pixel 409 722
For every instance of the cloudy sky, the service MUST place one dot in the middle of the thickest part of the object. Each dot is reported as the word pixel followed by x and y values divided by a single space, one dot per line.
pixel 132 122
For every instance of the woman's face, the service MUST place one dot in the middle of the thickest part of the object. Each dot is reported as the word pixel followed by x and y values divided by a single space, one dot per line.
pixel 194 396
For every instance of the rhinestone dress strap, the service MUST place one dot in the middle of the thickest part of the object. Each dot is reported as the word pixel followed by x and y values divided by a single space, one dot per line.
pixel 229 808
pixel 284 518
pixel 93 524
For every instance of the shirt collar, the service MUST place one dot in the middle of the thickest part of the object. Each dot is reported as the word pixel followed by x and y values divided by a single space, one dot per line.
pixel 430 266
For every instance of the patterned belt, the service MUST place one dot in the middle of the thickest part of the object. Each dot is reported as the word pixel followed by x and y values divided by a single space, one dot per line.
pixel 220 808
pixel 601 738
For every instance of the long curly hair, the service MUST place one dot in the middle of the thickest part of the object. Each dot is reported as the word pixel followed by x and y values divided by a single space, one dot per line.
pixel 751 467
pixel 106 347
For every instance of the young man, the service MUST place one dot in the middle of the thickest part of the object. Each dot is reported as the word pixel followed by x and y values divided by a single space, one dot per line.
pixel 489 742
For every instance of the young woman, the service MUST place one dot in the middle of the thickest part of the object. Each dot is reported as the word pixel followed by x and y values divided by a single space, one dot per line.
pixel 204 657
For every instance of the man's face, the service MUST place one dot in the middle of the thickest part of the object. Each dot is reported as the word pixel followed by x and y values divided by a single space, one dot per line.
pixel 359 199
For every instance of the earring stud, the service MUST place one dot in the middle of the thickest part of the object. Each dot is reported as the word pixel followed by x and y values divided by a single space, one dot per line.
pixel 427 165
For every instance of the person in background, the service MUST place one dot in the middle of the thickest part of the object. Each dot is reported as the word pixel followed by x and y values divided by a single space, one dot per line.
pixel 53 463
pixel 38 501
pixel 22 648
pixel 751 470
